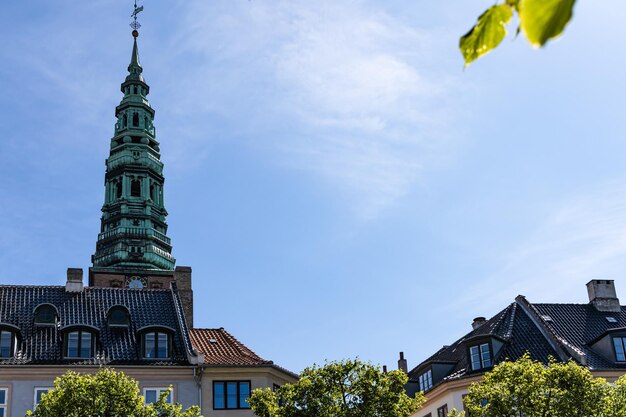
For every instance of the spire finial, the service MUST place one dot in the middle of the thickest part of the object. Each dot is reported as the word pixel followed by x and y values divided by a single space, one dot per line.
pixel 135 24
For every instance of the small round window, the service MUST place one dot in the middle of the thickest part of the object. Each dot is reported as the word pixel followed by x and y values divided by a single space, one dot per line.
pixel 45 314
pixel 118 316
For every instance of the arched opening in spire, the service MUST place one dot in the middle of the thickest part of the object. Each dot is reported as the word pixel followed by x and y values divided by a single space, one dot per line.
pixel 135 188
pixel 118 189
pixel 135 119
pixel 125 121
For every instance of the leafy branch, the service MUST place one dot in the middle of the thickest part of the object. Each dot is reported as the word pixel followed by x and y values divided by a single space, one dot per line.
pixel 539 21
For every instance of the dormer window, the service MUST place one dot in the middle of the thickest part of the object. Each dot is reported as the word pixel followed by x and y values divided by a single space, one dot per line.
pixel 7 344
pixel 118 316
pixel 619 342
pixel 79 344
pixel 426 380
pixel 480 356
pixel 156 345
pixel 45 314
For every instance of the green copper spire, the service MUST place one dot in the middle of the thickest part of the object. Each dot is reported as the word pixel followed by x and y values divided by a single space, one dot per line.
pixel 133 233
pixel 135 65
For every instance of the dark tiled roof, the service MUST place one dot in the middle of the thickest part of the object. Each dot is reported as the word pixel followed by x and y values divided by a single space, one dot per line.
pixel 512 326
pixel 115 346
pixel 579 325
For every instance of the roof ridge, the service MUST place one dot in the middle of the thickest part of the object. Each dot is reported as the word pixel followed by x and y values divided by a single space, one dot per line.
pixel 240 346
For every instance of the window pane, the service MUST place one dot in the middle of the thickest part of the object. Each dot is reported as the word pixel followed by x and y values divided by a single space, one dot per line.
pixel 72 345
pixel 6 340
pixel 149 346
pixel 475 358
pixel 169 396
pixel 118 316
pixel 39 393
pixel 231 395
pixel 45 315
pixel 85 345
pixel 162 345
pixel 485 355
pixel 244 394
pixel 620 355
pixel 3 397
pixel 1 412
pixel 218 396
pixel 150 396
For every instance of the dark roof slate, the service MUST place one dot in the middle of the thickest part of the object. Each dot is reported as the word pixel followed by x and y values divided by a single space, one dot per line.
pixel 580 325
pixel 114 346
pixel 512 326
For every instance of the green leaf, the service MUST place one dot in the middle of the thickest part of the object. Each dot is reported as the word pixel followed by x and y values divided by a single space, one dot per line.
pixel 487 34
pixel 542 20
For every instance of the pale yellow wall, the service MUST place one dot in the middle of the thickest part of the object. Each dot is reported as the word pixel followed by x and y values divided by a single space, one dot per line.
pixel 454 399
pixel 260 377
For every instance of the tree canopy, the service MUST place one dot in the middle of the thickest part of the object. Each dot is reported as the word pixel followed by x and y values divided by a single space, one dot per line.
pixel 106 394
pixel 539 21
pixel 347 388
pixel 529 388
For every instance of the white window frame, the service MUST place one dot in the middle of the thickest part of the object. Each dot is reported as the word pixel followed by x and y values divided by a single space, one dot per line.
pixel 159 390
pixel 5 406
pixel 426 380
pixel 482 362
pixel 47 389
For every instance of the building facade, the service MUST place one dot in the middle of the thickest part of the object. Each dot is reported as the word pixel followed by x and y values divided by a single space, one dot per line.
pixel 136 315
pixel 593 335
pixel 47 330
pixel 230 370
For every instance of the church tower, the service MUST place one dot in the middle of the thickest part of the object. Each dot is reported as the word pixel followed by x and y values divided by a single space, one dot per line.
pixel 133 232
pixel 133 249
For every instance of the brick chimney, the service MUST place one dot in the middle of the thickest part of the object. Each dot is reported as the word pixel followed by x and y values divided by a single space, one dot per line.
pixel 402 364
pixel 74 280
pixel 182 275
pixel 602 295
pixel 478 321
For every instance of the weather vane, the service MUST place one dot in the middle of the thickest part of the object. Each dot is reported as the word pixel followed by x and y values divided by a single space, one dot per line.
pixel 135 24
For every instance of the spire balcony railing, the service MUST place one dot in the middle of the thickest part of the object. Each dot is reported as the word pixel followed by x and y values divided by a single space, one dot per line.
pixel 151 161
pixel 134 232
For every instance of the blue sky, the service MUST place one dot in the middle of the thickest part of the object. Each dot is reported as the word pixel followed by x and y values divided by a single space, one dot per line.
pixel 340 186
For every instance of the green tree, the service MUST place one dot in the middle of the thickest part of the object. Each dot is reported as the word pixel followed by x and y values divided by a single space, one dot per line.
pixel 348 388
pixel 615 401
pixel 531 389
pixel 106 394
pixel 539 21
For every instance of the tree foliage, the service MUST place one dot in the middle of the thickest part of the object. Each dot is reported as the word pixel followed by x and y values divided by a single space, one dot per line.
pixel 529 388
pixel 106 394
pixel 339 389
pixel 539 21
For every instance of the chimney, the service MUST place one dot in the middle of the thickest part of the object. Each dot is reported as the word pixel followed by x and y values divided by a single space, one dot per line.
pixel 384 369
pixel 402 364
pixel 602 295
pixel 74 280
pixel 478 321
pixel 182 275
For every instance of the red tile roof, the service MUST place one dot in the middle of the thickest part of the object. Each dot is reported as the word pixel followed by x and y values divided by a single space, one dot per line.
pixel 220 348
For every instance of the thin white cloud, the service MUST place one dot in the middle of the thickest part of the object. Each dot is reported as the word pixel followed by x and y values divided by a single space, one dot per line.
pixel 584 238
pixel 333 88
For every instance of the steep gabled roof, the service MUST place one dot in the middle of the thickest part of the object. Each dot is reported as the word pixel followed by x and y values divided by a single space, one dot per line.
pixel 220 348
pixel 579 325
pixel 513 326
pixel 43 345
